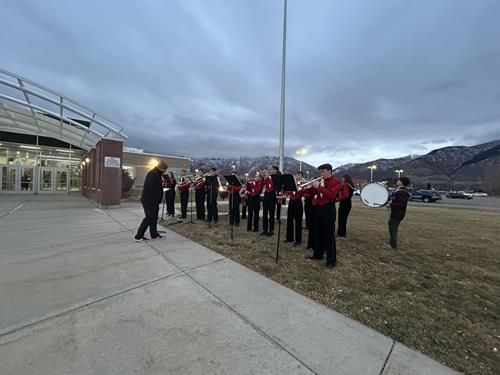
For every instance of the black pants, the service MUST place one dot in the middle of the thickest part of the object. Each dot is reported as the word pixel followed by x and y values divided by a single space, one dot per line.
pixel 213 212
pixel 184 203
pixel 170 199
pixel 234 209
pixel 393 231
pixel 200 204
pixel 308 210
pixel 323 228
pixel 244 202
pixel 269 207
pixel 294 220
pixel 150 220
pixel 344 209
pixel 253 213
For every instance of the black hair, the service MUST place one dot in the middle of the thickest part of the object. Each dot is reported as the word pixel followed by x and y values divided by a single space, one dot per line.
pixel 404 180
pixel 326 166
pixel 348 179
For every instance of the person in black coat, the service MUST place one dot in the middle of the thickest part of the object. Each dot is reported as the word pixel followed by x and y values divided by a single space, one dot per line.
pixel 170 183
pixel 398 211
pixel 152 194
pixel 345 205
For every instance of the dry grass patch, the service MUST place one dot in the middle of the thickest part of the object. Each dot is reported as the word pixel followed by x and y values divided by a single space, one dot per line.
pixel 439 293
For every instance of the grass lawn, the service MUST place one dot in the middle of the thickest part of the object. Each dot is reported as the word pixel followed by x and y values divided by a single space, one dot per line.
pixel 439 293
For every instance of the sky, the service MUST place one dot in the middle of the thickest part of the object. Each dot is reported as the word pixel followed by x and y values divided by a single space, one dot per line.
pixel 201 78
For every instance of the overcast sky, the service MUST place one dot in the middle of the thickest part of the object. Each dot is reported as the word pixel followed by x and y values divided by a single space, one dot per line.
pixel 365 78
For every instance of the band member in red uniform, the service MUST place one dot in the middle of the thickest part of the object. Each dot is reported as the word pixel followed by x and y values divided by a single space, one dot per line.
pixel 212 194
pixel 170 183
pixel 183 187
pixel 294 213
pixel 234 203
pixel 345 205
pixel 254 188
pixel 199 194
pixel 323 224
pixel 269 204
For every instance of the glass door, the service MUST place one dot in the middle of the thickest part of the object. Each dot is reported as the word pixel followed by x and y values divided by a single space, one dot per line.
pixel 61 180
pixel 46 180
pixel 8 176
pixel 27 179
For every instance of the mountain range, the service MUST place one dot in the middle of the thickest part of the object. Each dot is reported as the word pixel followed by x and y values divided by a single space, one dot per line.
pixel 455 167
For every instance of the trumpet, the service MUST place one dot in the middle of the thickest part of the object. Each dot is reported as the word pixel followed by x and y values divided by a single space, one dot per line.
pixel 306 184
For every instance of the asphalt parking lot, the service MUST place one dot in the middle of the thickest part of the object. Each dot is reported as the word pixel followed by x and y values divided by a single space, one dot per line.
pixel 481 203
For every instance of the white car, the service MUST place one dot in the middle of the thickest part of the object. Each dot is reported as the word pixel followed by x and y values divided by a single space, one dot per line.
pixel 466 194
pixel 479 194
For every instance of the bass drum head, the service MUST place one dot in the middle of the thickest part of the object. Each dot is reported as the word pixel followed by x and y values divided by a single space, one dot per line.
pixel 374 195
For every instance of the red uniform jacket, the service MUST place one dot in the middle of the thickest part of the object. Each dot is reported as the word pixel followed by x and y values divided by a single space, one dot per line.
pixel 168 184
pixel 233 189
pixel 268 183
pixel 254 188
pixel 344 193
pixel 326 194
pixel 184 185
pixel 199 184
pixel 295 195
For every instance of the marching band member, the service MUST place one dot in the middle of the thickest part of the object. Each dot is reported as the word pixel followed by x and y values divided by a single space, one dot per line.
pixel 254 189
pixel 234 203
pixel 323 224
pixel 345 205
pixel 212 194
pixel 294 213
pixel 170 183
pixel 269 204
pixel 183 188
pixel 199 193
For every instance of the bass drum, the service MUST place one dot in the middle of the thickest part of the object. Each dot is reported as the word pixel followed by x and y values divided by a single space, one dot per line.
pixel 375 195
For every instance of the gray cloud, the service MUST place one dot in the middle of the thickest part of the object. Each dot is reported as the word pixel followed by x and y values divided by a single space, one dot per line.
pixel 365 79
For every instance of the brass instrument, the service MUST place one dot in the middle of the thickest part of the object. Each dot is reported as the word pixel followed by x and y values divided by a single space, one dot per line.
pixel 305 185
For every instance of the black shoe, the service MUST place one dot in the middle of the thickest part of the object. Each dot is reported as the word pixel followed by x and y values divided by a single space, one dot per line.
pixel 237 225
pixel 331 265
pixel 249 229
pixel 263 233
pixel 255 230
pixel 297 244
pixel 287 241
pixel 269 234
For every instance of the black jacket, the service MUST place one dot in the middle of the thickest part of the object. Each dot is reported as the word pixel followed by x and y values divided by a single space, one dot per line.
pixel 152 192
pixel 399 203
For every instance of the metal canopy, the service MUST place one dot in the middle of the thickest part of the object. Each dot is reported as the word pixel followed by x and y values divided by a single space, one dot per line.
pixel 30 108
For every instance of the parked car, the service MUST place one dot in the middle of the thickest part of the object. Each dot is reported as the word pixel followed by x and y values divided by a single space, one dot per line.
pixel 479 194
pixel 424 195
pixel 458 195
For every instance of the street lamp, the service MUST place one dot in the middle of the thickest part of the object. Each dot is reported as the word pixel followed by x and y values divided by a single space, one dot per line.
pixel 372 168
pixel 301 154
pixel 399 171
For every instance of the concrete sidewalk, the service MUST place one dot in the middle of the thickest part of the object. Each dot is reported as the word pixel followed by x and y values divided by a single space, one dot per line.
pixel 78 296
